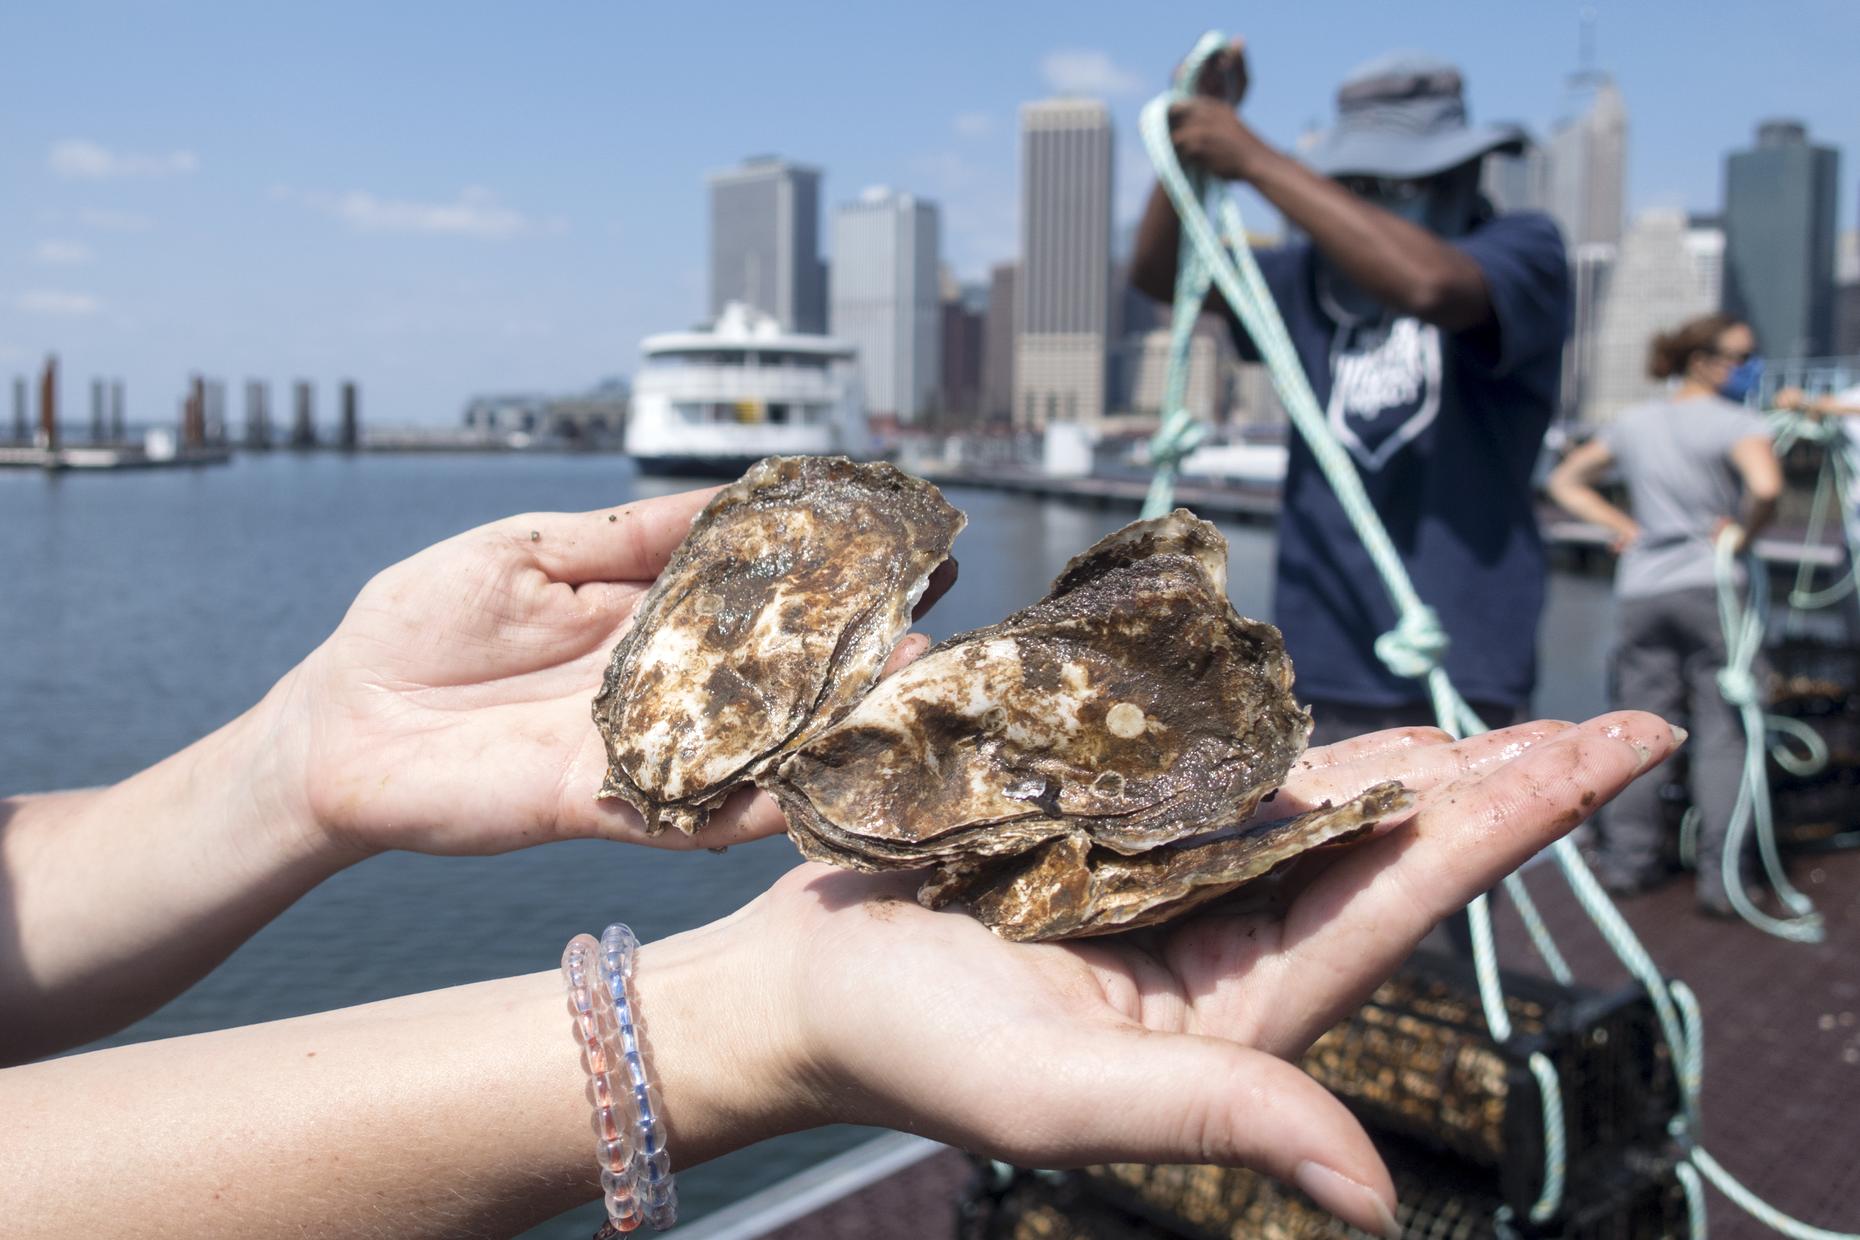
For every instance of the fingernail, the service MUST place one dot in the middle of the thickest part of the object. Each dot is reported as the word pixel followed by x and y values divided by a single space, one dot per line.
pixel 1354 1203
pixel 1644 754
pixel 1679 734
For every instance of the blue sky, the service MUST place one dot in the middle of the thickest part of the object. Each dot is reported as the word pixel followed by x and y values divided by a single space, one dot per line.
pixel 443 199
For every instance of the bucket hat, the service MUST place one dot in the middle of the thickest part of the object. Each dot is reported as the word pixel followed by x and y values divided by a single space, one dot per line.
pixel 1404 115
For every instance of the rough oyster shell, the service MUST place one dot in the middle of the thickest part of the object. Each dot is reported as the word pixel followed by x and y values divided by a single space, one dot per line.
pixel 776 613
pixel 1130 708
pixel 1070 888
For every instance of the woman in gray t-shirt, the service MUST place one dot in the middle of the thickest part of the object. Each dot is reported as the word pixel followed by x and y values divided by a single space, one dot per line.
pixel 1695 463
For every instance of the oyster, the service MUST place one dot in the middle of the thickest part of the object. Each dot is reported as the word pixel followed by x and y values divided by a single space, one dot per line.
pixel 1129 709
pixel 1069 887
pixel 776 613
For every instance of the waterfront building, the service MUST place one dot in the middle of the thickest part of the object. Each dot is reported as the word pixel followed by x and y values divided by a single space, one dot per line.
pixel 998 344
pixel 1587 166
pixel 965 318
pixel 1518 182
pixel 592 418
pixel 765 242
pixel 1779 216
pixel 1847 295
pixel 1590 269
pixel 1063 291
pixel 1211 362
pixel 885 299
pixel 1668 270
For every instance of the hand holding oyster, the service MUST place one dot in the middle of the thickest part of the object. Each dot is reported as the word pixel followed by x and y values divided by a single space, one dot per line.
pixel 1080 768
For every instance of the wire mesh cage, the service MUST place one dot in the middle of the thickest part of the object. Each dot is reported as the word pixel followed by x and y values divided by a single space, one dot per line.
pixel 1458 1117
pixel 1418 1061
pixel 1636 1197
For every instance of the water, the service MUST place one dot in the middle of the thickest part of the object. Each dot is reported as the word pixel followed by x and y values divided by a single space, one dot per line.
pixel 142 610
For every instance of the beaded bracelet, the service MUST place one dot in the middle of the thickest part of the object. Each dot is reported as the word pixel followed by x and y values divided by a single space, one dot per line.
pixel 652 1167
pixel 591 1004
pixel 636 1178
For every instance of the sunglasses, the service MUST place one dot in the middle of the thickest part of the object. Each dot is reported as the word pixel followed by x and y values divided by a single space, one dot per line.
pixel 1386 189
pixel 1736 359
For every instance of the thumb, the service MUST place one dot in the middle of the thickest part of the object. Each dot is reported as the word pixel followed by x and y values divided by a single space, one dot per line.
pixel 1127 1094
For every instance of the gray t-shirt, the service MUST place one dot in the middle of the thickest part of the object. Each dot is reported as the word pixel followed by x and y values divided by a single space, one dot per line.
pixel 1674 457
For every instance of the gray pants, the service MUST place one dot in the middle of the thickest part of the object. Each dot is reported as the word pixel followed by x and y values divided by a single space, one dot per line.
pixel 1669 652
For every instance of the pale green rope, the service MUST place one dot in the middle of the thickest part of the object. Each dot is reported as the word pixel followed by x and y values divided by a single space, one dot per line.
pixel 1416 645
pixel 1737 684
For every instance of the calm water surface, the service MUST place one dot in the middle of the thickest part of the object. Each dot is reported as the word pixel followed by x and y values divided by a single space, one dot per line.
pixel 139 611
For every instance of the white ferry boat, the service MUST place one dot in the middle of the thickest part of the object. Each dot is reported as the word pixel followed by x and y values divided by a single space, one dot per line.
pixel 712 402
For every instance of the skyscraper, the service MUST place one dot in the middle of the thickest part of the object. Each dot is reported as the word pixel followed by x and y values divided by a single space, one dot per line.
pixel 765 242
pixel 1063 293
pixel 1518 182
pixel 1779 202
pixel 1668 270
pixel 1847 295
pixel 886 298
pixel 1587 166
pixel 998 344
pixel 964 317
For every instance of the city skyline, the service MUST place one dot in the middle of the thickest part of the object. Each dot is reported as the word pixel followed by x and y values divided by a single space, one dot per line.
pixel 322 205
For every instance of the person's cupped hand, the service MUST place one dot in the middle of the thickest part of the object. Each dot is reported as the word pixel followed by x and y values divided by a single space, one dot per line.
pixel 1170 1045
pixel 450 710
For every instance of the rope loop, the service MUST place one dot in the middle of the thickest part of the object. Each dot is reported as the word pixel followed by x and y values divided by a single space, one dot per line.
pixel 1416 645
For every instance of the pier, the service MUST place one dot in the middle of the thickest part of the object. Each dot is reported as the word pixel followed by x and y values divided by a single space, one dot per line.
pixel 1572 544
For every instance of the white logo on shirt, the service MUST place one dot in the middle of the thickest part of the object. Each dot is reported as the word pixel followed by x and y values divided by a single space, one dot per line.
pixel 1385 388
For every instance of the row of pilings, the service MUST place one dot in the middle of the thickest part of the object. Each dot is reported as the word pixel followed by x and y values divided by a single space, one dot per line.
pixel 201 419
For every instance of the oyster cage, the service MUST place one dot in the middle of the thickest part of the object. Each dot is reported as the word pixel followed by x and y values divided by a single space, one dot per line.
pixel 1818 684
pixel 1635 1197
pixel 1457 1116
pixel 1417 1061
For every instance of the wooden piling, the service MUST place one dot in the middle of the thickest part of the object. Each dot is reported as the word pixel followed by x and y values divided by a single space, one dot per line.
pixel 48 405
pixel 194 414
pixel 351 434
pixel 303 422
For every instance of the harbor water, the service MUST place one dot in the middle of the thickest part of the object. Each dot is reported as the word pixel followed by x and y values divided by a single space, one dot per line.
pixel 140 611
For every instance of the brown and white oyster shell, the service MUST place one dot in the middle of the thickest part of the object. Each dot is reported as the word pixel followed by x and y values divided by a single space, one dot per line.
pixel 775 615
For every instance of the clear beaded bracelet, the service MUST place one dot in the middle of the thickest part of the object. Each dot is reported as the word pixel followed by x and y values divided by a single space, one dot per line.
pixel 636 1178
pixel 652 1166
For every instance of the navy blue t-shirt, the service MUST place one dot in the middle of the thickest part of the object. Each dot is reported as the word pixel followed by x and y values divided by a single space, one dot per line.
pixel 1445 429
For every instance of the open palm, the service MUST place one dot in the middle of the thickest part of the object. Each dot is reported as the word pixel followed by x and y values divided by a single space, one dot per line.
pixel 1172 1045
pixel 449 711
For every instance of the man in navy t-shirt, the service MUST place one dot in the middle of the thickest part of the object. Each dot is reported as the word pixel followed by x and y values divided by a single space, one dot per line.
pixel 1432 331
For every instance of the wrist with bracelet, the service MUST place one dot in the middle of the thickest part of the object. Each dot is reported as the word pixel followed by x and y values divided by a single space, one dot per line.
pixel 629 1129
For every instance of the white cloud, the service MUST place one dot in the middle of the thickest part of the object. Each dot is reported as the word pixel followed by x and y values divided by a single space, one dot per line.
pixel 105 220
pixel 1084 71
pixel 57 302
pixel 476 212
pixel 62 252
pixel 82 159
pixel 974 124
